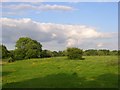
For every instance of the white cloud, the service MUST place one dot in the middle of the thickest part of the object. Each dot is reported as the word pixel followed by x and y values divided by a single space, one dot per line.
pixel 100 44
pixel 71 42
pixel 62 35
pixel 55 7
pixel 38 7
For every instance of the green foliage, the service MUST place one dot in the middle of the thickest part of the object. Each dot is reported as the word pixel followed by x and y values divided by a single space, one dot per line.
pixel 114 52
pixel 31 53
pixel 90 52
pixel 0 51
pixel 100 52
pixel 62 53
pixel 55 53
pixel 19 54
pixel 46 54
pixel 27 48
pixel 11 59
pixel 5 52
pixel 74 53
pixel 118 52
pixel 103 52
pixel 12 54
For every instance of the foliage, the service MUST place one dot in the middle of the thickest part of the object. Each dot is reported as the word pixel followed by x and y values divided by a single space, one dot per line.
pixel 90 52
pixel 46 53
pixel 12 54
pixel 114 52
pixel 19 54
pixel 11 59
pixel 55 53
pixel 27 48
pixel 74 53
pixel 100 52
pixel 62 53
pixel 5 52
pixel 0 51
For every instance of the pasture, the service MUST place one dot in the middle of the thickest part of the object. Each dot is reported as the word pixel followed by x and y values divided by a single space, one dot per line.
pixel 60 72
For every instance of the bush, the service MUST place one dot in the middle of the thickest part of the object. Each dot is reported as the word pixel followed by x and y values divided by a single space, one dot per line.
pixel 3 51
pixel 11 60
pixel 74 53
pixel 46 54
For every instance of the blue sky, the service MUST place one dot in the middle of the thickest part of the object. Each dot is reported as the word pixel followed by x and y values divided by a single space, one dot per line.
pixel 102 17
pixel 89 13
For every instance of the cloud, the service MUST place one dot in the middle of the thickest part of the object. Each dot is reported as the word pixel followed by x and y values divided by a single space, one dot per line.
pixel 100 44
pixel 52 35
pixel 38 7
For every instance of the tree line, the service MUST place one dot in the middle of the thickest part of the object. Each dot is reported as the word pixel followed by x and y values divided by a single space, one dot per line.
pixel 27 48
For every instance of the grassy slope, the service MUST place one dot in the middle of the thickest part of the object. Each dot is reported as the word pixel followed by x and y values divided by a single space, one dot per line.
pixel 94 71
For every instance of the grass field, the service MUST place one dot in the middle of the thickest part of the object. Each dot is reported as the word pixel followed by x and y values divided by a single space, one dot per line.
pixel 59 72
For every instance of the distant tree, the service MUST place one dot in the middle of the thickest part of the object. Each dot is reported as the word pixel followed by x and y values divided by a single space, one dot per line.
pixel 118 52
pixel 46 53
pixel 114 52
pixel 11 56
pixel 55 53
pixel 0 51
pixel 5 52
pixel 11 53
pixel 90 52
pixel 64 53
pixel 93 52
pixel 27 48
pixel 60 53
pixel 103 52
pixel 74 53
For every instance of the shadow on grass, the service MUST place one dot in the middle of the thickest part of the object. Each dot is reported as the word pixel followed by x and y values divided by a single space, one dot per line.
pixel 76 59
pixel 64 80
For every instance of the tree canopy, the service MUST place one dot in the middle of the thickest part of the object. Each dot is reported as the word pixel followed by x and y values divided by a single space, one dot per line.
pixel 74 53
pixel 4 51
pixel 27 48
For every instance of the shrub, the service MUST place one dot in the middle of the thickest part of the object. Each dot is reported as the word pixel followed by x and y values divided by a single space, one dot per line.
pixel 74 53
pixel 46 54
pixel 11 60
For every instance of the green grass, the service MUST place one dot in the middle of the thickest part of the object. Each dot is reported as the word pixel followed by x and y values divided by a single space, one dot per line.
pixel 59 72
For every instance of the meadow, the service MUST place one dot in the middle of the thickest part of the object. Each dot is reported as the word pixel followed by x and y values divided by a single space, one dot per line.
pixel 60 72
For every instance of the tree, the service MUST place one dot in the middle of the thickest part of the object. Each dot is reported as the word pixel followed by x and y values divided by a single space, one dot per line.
pixel 27 48
pixel 114 52
pixel 60 53
pixel 5 52
pixel 74 53
pixel 103 52
pixel 11 56
pixel 90 52
pixel 19 54
pixel 118 52
pixel 46 53
pixel 55 53
pixel 0 51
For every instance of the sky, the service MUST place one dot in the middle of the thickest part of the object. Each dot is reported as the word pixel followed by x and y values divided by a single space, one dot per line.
pixel 58 25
